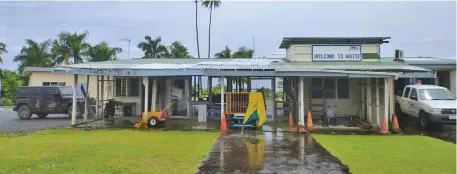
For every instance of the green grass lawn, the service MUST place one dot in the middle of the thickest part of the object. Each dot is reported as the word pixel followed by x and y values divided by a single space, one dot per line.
pixel 391 154
pixel 103 151
pixel 6 106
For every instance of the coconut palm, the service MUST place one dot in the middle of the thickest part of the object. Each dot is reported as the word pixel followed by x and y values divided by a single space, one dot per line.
pixel 34 54
pixel 153 48
pixel 196 27
pixel 102 52
pixel 177 50
pixel 224 54
pixel 243 52
pixel 2 50
pixel 70 48
pixel 211 4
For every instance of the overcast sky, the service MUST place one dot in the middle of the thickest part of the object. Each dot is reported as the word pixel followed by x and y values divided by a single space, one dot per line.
pixel 419 28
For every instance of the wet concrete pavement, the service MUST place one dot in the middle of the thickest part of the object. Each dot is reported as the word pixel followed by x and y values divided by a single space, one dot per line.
pixel 409 125
pixel 9 122
pixel 269 152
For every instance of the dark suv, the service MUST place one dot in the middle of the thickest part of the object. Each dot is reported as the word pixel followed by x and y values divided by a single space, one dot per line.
pixel 44 100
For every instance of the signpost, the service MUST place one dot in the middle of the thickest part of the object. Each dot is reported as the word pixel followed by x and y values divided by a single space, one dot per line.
pixel 330 53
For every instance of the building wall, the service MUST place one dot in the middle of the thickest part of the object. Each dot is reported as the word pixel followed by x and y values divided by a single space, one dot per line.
pixel 300 52
pixel 342 107
pixel 37 79
pixel 452 80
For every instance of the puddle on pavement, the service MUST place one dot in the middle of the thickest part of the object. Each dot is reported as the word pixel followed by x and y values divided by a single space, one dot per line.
pixel 269 152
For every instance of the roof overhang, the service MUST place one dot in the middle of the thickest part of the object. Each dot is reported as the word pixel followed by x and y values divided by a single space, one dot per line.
pixel 287 41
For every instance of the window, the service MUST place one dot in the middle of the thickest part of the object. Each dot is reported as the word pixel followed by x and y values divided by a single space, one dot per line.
pixel 413 93
pixel 435 94
pixel 127 87
pixel 316 88
pixel 53 84
pixel 343 88
pixel 405 95
pixel 330 88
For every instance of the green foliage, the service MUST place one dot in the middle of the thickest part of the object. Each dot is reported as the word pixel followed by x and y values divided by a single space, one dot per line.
pixel 211 4
pixel 177 50
pixel 2 50
pixel 70 46
pixel 102 52
pixel 153 48
pixel 10 82
pixel 34 54
pixel 7 101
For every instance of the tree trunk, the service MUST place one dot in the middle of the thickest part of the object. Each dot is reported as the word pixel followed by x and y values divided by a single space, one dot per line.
pixel 209 31
pixel 196 28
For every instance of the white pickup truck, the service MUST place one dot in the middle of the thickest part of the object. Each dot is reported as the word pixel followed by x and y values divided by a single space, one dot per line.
pixel 428 103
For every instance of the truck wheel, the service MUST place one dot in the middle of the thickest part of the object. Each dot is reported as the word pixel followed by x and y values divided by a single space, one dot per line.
pixel 153 121
pixel 24 112
pixel 42 115
pixel 423 121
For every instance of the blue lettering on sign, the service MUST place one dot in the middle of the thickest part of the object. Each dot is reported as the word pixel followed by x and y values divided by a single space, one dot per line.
pixel 336 56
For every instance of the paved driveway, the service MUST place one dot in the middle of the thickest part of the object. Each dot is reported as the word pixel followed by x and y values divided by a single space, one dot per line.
pixel 269 152
pixel 9 122
pixel 409 125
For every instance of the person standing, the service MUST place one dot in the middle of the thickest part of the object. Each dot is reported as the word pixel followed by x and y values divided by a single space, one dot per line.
pixel 330 116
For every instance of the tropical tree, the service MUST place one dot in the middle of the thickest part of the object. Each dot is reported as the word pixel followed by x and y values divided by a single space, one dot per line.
pixel 70 48
pixel 211 4
pixel 2 50
pixel 10 82
pixel 177 50
pixel 103 52
pixel 226 53
pixel 243 52
pixel 153 48
pixel 34 54
pixel 196 27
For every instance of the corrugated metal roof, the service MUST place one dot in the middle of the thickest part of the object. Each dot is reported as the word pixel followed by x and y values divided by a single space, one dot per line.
pixel 287 41
pixel 423 60
pixel 352 66
pixel 216 64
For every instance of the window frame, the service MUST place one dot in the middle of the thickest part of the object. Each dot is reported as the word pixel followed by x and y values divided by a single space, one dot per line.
pixel 53 83
pixel 127 87
pixel 336 88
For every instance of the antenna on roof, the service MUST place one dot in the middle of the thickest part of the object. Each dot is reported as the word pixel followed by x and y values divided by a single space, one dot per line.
pixel 253 46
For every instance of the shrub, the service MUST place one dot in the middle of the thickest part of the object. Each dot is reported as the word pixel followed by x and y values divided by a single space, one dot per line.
pixel 7 102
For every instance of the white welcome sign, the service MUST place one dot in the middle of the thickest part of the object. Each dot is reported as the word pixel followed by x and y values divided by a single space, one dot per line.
pixel 337 53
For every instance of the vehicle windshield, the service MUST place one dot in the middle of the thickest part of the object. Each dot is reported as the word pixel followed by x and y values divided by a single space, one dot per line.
pixel 435 94
pixel 66 91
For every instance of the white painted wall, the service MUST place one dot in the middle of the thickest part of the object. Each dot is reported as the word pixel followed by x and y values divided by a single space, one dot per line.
pixel 301 52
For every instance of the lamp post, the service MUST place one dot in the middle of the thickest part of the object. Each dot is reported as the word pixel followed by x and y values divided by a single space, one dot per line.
pixel 128 51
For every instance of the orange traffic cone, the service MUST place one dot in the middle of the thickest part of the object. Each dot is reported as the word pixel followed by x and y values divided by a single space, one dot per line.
pixel 395 126
pixel 291 120
pixel 223 123
pixel 384 127
pixel 309 122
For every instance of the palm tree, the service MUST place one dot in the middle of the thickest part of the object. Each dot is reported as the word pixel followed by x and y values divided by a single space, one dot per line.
pixel 243 52
pixel 196 27
pixel 102 52
pixel 34 54
pixel 2 50
pixel 211 4
pixel 177 50
pixel 153 48
pixel 224 54
pixel 70 46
